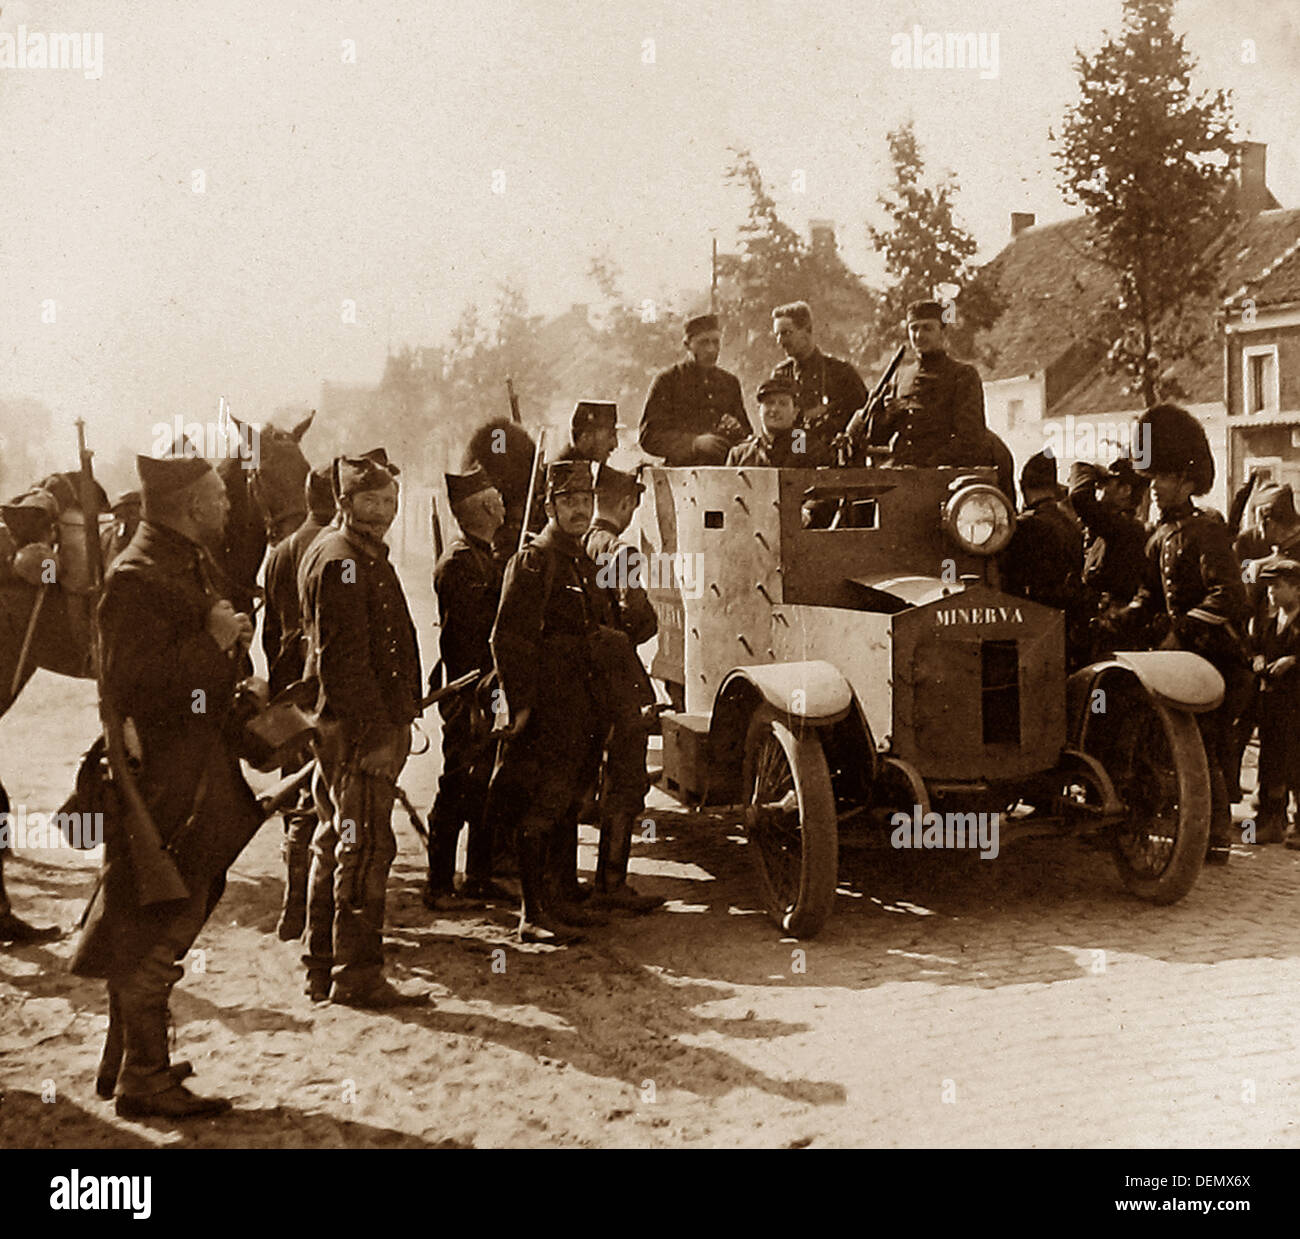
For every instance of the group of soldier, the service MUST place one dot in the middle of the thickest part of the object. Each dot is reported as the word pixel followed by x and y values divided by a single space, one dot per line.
pixel 546 707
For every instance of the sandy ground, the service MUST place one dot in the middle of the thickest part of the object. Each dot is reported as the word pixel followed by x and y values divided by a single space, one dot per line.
pixel 949 1001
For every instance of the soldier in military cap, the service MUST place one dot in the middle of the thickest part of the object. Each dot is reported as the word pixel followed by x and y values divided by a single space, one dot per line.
pixel 1042 560
pixel 544 644
pixel 362 649
pixel 593 432
pixel 1195 599
pixel 695 411
pixel 933 407
pixel 620 572
pixel 828 389
pixel 467 581
pixel 1275 645
pixel 285 646
pixel 1114 557
pixel 784 443
pixel 126 516
pixel 171 649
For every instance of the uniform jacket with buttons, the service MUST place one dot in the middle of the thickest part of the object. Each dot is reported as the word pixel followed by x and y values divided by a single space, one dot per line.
pixel 1199 587
pixel 1114 554
pixel 282 639
pixel 544 638
pixel 777 451
pixel 361 641
pixel 688 400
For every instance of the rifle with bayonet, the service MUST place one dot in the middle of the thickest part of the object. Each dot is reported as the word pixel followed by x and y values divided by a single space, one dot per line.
pixel 861 424
pixel 157 879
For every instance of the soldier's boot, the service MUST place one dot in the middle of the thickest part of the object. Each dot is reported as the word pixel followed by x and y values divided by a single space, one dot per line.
pixel 14 928
pixel 560 894
pixel 144 1033
pixel 1270 821
pixel 536 924
pixel 297 865
pixel 612 889
pixel 1219 846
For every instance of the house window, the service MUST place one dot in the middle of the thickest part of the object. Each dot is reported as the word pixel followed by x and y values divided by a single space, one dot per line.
pixel 1015 413
pixel 1259 374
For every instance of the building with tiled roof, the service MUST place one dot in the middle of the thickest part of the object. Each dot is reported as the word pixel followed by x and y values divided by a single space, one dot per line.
pixel 1044 359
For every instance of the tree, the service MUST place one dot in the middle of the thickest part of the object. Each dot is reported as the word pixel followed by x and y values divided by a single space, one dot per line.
pixel 1150 162
pixel 925 248
pixel 776 265
pixel 637 340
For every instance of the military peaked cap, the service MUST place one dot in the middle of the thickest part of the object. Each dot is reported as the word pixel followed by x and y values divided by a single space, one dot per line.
pixel 925 311
pixel 617 484
pixel 593 413
pixel 567 477
pixel 701 323
pixel 1278 569
pixel 777 385
pixel 462 486
pixel 1039 472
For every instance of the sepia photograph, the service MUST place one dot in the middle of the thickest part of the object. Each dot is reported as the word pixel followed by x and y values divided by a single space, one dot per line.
pixel 649 575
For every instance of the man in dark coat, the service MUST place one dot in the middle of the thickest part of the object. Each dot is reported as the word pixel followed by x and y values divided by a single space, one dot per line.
pixel 467 581
pixel 695 411
pixel 933 407
pixel 620 571
pixel 362 649
pixel 544 647
pixel 829 389
pixel 783 443
pixel 593 433
pixel 1195 599
pixel 286 650
pixel 171 649
pixel 1275 646
pixel 1114 555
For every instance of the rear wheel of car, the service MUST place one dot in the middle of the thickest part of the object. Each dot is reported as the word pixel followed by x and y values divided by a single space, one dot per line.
pixel 790 821
pixel 1156 761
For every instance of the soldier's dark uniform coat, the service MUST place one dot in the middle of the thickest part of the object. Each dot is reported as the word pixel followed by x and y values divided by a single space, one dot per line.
pixel 365 652
pixel 777 451
pixel 1114 555
pixel 282 634
pixel 935 404
pixel 1039 562
pixel 830 392
pixel 688 400
pixel 467 580
pixel 158 658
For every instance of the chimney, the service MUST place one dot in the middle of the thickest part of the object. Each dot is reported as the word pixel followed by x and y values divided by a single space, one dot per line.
pixel 1252 187
pixel 821 235
pixel 1020 220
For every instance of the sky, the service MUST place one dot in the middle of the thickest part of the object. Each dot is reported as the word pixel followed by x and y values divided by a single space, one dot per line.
pixel 406 158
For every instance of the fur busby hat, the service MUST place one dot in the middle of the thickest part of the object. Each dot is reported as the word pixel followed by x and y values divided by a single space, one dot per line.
pixel 1174 442
pixel 504 451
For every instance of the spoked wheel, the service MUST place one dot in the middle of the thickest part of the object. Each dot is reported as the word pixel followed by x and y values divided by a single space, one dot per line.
pixel 790 822
pixel 1156 761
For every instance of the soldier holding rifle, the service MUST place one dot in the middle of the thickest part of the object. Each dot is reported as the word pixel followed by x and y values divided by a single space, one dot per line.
pixel 170 649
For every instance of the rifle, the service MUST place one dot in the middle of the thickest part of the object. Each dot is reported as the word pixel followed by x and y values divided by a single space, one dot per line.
pixel 157 879
pixel 532 488
pixel 514 402
pixel 861 429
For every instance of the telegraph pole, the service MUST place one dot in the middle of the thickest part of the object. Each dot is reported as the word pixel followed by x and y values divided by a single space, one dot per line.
pixel 713 283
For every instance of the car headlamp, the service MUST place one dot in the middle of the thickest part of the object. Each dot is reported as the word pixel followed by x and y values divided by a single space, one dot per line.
pixel 979 519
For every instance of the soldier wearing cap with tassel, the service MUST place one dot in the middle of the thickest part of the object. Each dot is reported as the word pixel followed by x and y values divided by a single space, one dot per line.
pixel 1197 602
pixel 631 696
pixel 544 646
pixel 362 649
pixel 467 581
pixel 171 648
pixel 695 412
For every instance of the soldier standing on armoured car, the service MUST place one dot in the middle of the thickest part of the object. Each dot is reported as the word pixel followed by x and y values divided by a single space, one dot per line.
pixel 624 785
pixel 285 647
pixel 829 389
pixel 467 581
pixel 362 649
pixel 695 411
pixel 544 644
pixel 933 407
pixel 171 651
pixel 1199 603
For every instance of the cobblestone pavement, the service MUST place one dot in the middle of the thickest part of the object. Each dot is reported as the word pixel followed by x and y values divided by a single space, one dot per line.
pixel 1026 1001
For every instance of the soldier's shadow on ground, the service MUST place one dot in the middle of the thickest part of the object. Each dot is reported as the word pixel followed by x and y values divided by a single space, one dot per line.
pixel 28 1122
pixel 1037 913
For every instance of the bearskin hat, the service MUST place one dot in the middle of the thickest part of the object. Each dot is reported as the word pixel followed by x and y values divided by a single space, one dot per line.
pixel 1172 441
pixel 504 451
